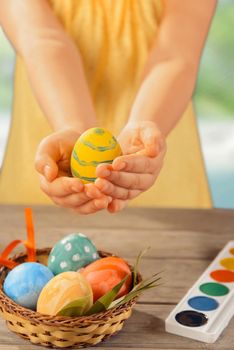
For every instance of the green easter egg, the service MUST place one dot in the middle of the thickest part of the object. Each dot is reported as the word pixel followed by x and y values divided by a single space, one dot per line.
pixel 72 253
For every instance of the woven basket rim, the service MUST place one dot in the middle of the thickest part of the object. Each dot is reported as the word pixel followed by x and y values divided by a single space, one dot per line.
pixel 69 322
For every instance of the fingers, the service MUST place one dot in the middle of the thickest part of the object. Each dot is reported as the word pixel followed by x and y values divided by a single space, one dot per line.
pixel 137 163
pixel 117 205
pixel 71 193
pixel 93 206
pixel 130 180
pixel 152 138
pixel 114 191
pixel 92 191
pixel 134 164
pixel 46 166
pixel 81 203
pixel 53 153
pixel 128 175
pixel 61 186
pixel 47 157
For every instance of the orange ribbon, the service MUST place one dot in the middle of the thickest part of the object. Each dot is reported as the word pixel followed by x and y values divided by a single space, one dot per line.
pixel 29 244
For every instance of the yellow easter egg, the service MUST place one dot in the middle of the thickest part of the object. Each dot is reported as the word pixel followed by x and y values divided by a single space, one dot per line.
pixel 94 146
pixel 62 290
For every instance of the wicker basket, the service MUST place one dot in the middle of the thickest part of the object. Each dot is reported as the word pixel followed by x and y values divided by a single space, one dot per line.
pixel 60 331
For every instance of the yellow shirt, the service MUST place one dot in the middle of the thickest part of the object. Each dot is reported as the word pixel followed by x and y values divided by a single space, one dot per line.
pixel 114 38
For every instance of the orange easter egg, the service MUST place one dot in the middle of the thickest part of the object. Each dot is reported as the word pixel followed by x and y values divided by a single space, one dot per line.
pixel 103 274
pixel 63 289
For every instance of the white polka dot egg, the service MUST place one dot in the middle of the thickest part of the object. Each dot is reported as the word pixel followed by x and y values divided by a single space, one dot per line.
pixel 72 253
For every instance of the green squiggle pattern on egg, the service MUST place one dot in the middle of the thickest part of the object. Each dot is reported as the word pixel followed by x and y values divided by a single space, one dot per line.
pixel 99 131
pixel 92 163
pixel 85 178
pixel 100 148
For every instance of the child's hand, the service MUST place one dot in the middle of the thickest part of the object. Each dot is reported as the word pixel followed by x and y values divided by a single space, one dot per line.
pixel 53 164
pixel 144 149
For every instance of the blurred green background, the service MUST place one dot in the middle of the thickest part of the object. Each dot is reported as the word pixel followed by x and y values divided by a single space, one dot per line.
pixel 213 98
pixel 214 104
pixel 6 74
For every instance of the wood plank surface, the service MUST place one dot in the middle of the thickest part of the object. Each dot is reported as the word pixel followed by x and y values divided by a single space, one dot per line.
pixel 170 233
pixel 183 243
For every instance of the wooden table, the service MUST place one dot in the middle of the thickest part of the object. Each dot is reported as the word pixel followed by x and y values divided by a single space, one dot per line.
pixel 183 242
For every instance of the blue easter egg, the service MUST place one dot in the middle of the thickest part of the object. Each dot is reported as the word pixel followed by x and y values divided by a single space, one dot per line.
pixel 24 283
pixel 72 253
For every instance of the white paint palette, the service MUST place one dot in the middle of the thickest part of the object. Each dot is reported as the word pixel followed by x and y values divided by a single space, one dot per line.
pixel 208 306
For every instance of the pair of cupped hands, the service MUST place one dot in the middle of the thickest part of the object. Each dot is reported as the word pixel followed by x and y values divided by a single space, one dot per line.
pixel 143 147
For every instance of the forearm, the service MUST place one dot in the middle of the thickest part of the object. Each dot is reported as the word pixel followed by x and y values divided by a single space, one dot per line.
pixel 52 61
pixel 164 94
pixel 59 85
pixel 170 72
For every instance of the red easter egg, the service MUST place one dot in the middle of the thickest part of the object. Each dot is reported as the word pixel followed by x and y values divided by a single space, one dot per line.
pixel 103 274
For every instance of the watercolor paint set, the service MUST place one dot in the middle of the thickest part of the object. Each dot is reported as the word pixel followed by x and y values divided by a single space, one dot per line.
pixel 208 306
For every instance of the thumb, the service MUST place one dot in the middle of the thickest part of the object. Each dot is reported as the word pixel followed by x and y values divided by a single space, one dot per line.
pixel 46 159
pixel 152 140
